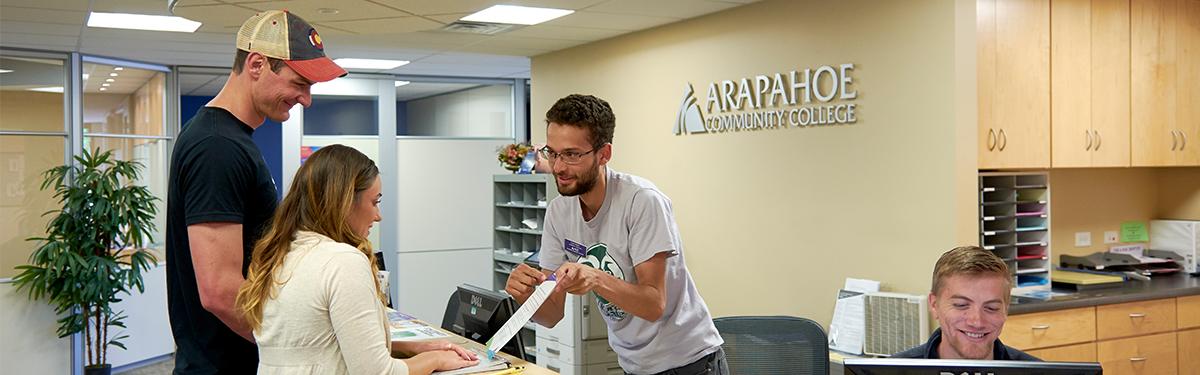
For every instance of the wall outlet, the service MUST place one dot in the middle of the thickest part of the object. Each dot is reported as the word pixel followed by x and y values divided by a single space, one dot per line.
pixel 1110 236
pixel 1083 239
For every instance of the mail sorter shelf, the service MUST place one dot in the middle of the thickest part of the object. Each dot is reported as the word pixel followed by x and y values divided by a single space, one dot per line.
pixel 518 213
pixel 1014 223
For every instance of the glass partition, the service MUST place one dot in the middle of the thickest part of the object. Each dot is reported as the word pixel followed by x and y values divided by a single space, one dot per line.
pixel 124 112
pixel 33 138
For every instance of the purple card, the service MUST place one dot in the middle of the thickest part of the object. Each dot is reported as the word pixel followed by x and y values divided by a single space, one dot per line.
pixel 574 248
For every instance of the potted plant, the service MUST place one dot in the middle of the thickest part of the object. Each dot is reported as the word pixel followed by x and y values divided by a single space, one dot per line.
pixel 92 251
pixel 511 155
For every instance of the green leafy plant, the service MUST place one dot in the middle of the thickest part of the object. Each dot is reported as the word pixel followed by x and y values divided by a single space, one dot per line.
pixel 92 251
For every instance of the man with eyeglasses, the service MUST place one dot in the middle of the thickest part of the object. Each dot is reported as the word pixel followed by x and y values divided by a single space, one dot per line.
pixel 615 234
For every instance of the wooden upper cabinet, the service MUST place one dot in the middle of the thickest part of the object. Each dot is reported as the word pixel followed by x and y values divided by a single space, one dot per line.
pixel 1013 51
pixel 1110 83
pixel 1188 80
pixel 1090 83
pixel 1165 69
pixel 1071 83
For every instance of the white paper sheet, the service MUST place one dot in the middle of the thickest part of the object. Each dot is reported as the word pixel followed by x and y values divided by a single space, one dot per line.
pixel 847 331
pixel 522 316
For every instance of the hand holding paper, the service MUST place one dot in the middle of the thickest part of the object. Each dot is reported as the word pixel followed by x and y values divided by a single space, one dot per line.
pixel 522 316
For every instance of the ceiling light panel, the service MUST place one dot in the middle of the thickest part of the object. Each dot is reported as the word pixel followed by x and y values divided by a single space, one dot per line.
pixel 373 64
pixel 142 22
pixel 515 14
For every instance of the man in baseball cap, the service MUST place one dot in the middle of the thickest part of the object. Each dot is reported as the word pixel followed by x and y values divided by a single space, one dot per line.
pixel 284 36
pixel 220 194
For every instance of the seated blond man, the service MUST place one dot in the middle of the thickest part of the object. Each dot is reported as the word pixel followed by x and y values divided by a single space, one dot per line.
pixel 969 299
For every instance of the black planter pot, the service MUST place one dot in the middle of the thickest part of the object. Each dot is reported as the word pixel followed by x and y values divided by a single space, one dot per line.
pixel 105 369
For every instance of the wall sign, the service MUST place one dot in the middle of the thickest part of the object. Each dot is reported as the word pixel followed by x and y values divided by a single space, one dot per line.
pixel 812 97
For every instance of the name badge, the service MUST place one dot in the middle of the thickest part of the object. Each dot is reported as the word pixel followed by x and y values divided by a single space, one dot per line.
pixel 574 248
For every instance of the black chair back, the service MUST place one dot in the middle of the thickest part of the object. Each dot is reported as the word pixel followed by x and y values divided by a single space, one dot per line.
pixel 448 318
pixel 768 345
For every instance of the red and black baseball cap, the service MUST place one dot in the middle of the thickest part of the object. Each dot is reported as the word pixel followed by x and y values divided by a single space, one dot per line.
pixel 282 35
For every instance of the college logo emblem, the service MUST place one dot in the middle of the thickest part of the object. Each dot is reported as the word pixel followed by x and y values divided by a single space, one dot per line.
pixel 598 258
pixel 689 120
pixel 315 39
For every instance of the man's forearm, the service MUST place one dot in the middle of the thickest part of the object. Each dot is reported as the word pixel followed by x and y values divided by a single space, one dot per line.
pixel 643 301
pixel 225 309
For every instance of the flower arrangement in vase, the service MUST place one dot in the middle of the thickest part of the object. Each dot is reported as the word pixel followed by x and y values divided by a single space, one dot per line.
pixel 511 155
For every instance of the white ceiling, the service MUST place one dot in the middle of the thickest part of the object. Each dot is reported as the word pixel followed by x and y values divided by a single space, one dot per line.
pixel 384 29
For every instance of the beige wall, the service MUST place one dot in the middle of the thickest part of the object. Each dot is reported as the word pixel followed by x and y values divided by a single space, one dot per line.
pixel 1179 193
pixel 792 212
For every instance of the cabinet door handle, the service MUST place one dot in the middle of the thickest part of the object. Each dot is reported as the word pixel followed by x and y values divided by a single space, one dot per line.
pixel 1183 135
pixel 1136 315
pixel 1041 326
pixel 1087 134
pixel 991 141
pixel 1098 140
pixel 1137 359
pixel 1003 140
pixel 1174 140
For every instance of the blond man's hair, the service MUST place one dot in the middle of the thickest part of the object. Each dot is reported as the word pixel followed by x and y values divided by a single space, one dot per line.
pixel 970 261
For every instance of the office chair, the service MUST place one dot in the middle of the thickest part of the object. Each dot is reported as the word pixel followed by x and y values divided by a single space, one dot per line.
pixel 764 345
pixel 448 318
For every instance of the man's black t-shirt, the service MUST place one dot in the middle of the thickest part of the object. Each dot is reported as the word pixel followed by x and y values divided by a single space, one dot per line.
pixel 217 175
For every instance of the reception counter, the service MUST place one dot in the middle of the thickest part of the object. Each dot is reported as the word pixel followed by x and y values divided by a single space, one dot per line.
pixel 1138 328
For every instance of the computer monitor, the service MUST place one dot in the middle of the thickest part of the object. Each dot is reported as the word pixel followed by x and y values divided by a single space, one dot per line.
pixel 481 312
pixel 916 366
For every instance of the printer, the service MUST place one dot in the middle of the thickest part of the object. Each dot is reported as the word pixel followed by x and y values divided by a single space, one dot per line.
pixel 1178 236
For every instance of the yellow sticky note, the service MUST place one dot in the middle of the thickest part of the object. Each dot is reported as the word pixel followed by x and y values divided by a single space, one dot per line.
pixel 1134 231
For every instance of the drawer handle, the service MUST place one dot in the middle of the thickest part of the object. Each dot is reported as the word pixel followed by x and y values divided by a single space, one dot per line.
pixel 552 368
pixel 552 351
pixel 1137 359
pixel 1137 315
pixel 1041 326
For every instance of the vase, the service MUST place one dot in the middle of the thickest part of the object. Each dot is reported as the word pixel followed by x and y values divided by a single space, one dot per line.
pixel 512 167
pixel 105 369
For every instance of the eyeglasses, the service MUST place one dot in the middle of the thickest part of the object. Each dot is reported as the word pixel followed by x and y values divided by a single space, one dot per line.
pixel 569 157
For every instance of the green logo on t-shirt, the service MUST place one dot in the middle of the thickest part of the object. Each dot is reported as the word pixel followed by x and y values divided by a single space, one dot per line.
pixel 597 257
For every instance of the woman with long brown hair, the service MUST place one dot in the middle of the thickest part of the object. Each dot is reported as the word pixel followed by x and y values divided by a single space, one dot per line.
pixel 311 295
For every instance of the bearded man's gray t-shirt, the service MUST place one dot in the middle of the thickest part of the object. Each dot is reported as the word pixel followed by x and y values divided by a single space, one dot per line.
pixel 634 223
